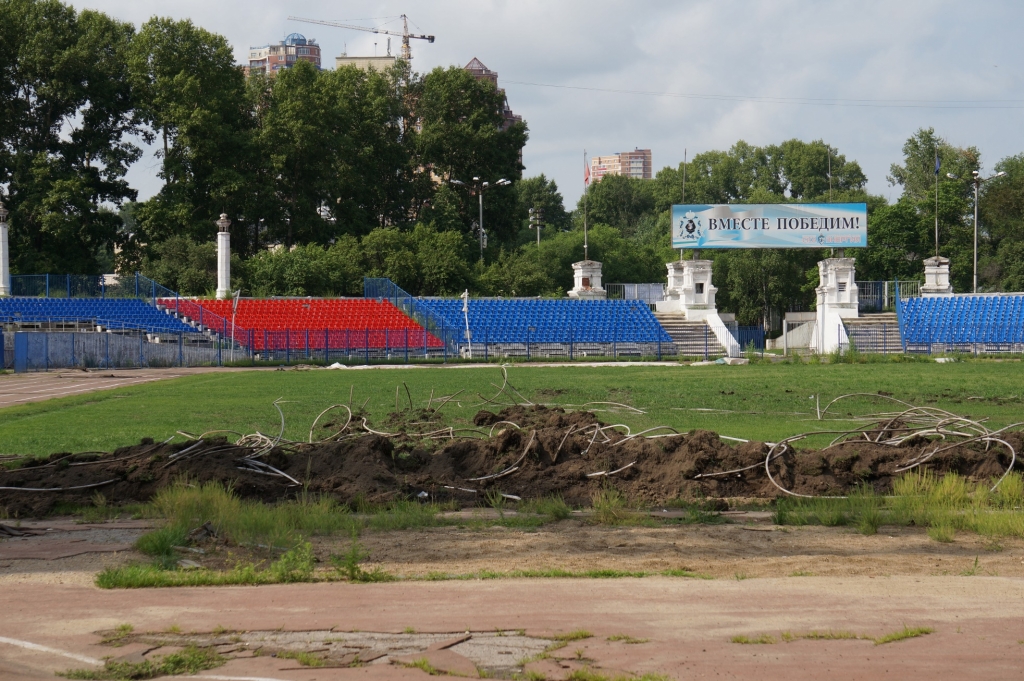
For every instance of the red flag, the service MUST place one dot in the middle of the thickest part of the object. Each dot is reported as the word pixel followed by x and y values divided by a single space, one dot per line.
pixel 586 173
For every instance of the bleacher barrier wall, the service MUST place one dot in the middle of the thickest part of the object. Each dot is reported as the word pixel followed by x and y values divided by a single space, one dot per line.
pixel 41 351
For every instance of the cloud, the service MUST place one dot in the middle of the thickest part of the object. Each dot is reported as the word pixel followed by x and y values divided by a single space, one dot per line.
pixel 881 50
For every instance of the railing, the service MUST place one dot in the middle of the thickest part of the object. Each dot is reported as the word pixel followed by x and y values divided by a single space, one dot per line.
pixel 447 331
pixel 649 293
pixel 88 286
pixel 880 296
pixel 195 312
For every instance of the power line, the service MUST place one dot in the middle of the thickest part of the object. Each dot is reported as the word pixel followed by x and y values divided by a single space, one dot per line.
pixel 812 101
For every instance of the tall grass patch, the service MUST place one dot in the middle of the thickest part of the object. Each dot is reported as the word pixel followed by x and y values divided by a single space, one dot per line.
pixel 943 505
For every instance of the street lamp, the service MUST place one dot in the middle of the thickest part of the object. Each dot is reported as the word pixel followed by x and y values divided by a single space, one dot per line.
pixel 477 187
pixel 5 256
pixel 978 180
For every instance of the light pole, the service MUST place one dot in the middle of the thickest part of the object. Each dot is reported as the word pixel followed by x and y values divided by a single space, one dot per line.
pixel 5 255
pixel 477 187
pixel 978 180
pixel 536 222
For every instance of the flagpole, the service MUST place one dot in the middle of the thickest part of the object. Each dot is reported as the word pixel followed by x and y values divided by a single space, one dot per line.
pixel 936 201
pixel 683 201
pixel 586 252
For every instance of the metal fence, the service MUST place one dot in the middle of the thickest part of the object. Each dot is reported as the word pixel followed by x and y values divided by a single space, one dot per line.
pixel 88 286
pixel 880 296
pixel 649 293
pixel 382 288
pixel 40 351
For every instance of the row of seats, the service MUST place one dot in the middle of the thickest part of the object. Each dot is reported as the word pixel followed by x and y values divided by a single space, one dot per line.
pixel 279 323
pixel 110 312
pixel 963 319
pixel 555 320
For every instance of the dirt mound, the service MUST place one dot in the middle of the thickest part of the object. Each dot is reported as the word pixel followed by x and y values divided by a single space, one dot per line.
pixel 529 452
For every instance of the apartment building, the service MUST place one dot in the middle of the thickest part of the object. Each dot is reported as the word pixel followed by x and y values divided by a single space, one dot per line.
pixel 636 163
pixel 270 59
pixel 477 69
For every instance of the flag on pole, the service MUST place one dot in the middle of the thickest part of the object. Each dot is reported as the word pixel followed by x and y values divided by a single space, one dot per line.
pixel 937 163
pixel 586 172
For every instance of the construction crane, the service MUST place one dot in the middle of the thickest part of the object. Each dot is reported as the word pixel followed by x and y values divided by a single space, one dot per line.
pixel 405 35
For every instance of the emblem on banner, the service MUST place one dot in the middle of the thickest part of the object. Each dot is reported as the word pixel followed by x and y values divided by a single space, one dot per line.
pixel 690 227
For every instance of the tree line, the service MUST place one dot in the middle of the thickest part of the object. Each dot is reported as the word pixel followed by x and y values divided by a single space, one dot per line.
pixel 330 176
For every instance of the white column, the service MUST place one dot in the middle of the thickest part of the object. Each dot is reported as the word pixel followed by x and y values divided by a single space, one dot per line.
pixel 5 262
pixel 838 299
pixel 223 258
pixel 689 290
pixel 5 255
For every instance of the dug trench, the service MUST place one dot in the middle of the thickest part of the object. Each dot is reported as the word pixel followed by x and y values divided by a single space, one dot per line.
pixel 526 452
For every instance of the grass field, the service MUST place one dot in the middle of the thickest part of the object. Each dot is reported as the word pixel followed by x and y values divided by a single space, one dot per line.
pixel 759 401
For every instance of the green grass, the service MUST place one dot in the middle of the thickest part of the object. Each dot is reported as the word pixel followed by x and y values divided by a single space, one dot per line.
pixel 944 505
pixel 190 660
pixel 902 634
pixel 626 638
pixel 762 401
pixel 830 635
pixel 303 658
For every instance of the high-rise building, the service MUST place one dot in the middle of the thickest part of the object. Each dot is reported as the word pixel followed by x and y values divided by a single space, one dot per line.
pixel 477 69
pixel 270 59
pixel 365 63
pixel 636 164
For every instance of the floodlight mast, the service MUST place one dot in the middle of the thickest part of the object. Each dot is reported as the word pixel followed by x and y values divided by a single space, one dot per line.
pixel 405 35
pixel 977 180
pixel 477 187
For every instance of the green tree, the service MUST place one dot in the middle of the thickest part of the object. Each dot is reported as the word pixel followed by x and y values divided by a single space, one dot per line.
pixel 66 117
pixel 539 193
pixel 617 200
pixel 517 273
pixel 308 270
pixel 185 266
pixel 461 135
pixel 193 98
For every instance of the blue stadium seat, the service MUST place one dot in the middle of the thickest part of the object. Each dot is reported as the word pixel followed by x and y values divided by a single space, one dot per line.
pixel 964 319
pixel 109 312
pixel 554 320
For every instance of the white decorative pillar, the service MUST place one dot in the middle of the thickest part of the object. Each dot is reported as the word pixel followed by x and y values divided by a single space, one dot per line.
pixel 689 290
pixel 5 255
pixel 837 300
pixel 223 258
pixel 586 280
pixel 936 278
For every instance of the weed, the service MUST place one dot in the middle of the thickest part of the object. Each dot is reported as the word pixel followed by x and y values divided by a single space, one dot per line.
pixel 943 532
pixel 296 565
pixel 740 576
pixel 496 500
pixel 625 638
pixel 971 571
pixel 190 660
pixel 762 639
pixel 408 630
pixel 303 658
pixel 801 573
pixel 904 633
pixel 423 664
pixel 554 507
pixel 579 653
pixel 575 635
pixel 218 630
pixel 174 629
pixel 348 564
pixel 117 636
pixel 830 635
pixel 609 506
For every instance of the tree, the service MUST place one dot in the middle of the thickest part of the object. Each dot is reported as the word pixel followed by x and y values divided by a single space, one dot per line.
pixel 539 193
pixel 193 98
pixel 617 200
pixel 462 134
pixel 66 118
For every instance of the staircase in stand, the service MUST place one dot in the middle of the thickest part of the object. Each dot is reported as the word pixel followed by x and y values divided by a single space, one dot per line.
pixel 875 333
pixel 692 339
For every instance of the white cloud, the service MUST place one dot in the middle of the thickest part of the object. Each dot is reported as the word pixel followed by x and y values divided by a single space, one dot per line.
pixel 913 49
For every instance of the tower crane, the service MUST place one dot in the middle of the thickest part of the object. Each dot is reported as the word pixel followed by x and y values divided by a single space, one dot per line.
pixel 405 35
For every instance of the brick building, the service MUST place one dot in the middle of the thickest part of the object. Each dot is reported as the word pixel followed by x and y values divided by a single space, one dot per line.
pixel 636 164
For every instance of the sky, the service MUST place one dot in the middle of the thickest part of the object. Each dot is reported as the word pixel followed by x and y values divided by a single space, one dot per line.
pixel 862 76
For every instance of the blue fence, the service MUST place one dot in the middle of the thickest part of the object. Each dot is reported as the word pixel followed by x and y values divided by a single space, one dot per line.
pixel 446 330
pixel 88 286
pixel 41 351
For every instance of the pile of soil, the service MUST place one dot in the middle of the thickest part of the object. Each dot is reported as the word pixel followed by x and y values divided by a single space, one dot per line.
pixel 375 468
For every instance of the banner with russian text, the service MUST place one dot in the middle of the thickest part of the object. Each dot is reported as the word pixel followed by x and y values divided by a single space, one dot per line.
pixel 771 225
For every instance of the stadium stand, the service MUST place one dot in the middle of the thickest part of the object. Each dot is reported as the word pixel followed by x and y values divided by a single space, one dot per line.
pixel 508 320
pixel 989 323
pixel 313 323
pixel 114 313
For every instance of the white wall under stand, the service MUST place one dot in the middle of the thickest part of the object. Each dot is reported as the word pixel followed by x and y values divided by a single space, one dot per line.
pixel 837 300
